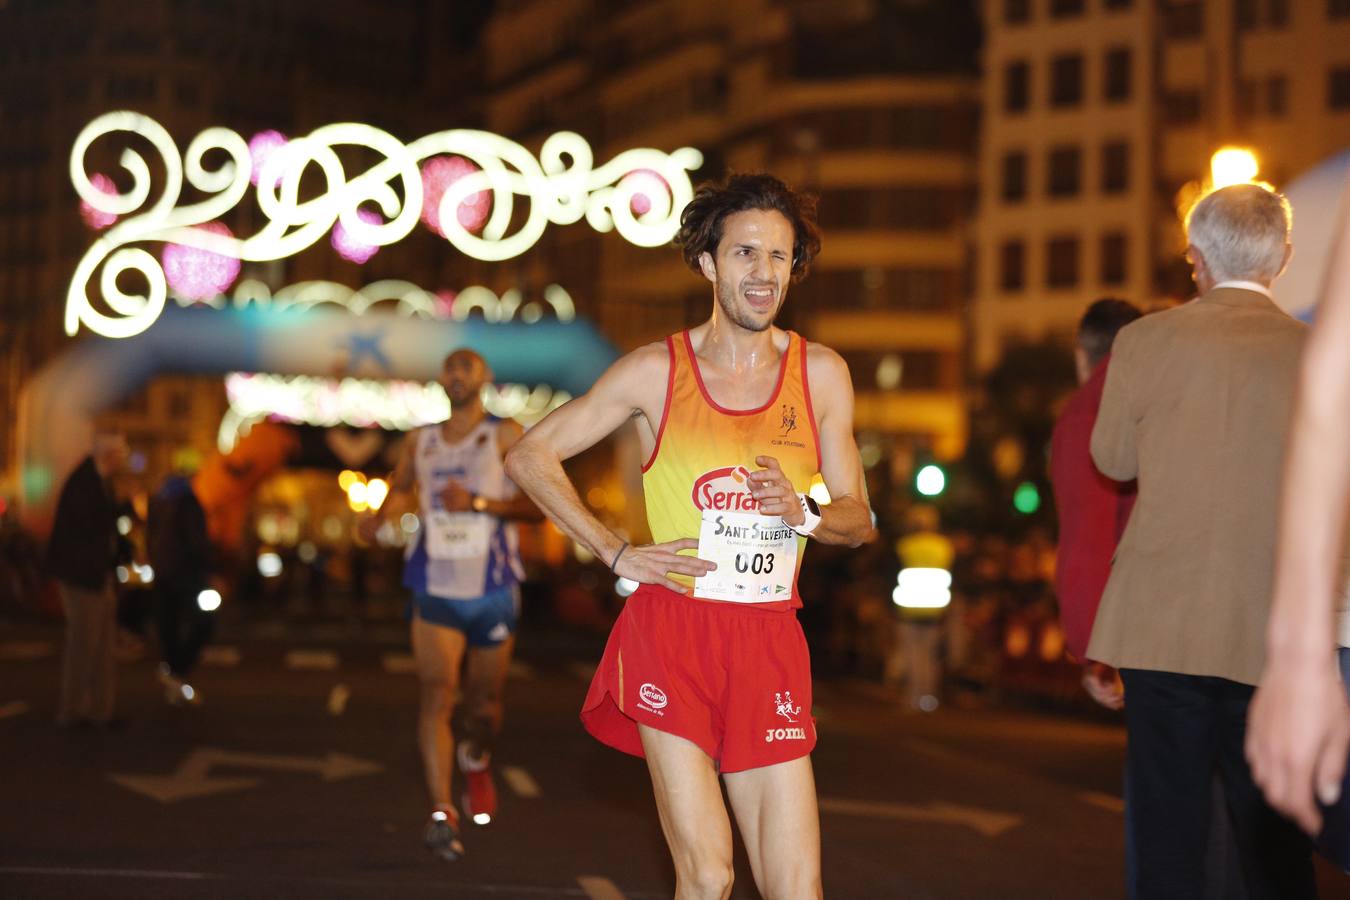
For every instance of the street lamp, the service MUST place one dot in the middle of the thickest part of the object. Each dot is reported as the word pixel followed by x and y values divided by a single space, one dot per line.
pixel 1233 165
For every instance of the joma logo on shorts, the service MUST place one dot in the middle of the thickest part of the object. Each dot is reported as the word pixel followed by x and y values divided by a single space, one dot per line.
pixel 784 734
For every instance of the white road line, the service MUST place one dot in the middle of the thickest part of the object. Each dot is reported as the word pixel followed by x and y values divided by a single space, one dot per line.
pixel 222 657
pixel 13 708
pixel 520 671
pixel 314 660
pixel 1108 802
pixel 988 822
pixel 337 699
pixel 598 888
pixel 520 781
pixel 26 650
pixel 399 663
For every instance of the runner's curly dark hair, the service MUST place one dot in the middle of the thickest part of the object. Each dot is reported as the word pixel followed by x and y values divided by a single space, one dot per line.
pixel 701 222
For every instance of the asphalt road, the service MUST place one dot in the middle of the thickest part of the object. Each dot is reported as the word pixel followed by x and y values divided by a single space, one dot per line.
pixel 298 777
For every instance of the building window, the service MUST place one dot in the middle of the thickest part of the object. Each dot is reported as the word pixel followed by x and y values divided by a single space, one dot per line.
pixel 1014 176
pixel 1181 107
pixel 1060 9
pixel 1118 4
pixel 1113 261
pixel 1277 13
pixel 1116 83
pixel 1065 177
pixel 1183 19
pixel 1016 87
pixel 1066 80
pixel 1246 14
pixel 1338 88
pixel 1012 266
pixel 1061 262
pixel 1015 12
pixel 1277 96
pixel 1338 9
pixel 1115 167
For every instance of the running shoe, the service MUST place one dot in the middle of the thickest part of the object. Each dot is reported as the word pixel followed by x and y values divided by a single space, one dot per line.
pixel 480 793
pixel 442 834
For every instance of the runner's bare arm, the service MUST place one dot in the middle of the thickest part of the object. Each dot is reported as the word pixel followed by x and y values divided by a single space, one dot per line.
pixel 402 481
pixel 1298 730
pixel 518 507
pixel 847 518
pixel 633 386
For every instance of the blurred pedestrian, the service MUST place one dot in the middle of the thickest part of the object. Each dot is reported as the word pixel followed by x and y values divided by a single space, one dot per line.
pixel 1091 508
pixel 1299 733
pixel 1195 407
pixel 464 570
pixel 82 556
pixel 187 592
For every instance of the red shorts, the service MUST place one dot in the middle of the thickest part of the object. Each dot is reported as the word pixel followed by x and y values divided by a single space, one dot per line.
pixel 733 679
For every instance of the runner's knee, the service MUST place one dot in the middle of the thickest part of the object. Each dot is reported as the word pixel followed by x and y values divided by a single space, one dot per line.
pixel 710 876
pixel 438 697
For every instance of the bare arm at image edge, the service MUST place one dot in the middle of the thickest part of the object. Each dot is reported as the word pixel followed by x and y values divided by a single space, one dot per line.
pixel 1299 725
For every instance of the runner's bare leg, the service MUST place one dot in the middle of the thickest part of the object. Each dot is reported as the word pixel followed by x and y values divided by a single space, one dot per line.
pixel 437 652
pixel 776 811
pixel 693 817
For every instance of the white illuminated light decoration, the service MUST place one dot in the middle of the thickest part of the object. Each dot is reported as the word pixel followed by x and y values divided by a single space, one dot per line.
pixel 562 187
pixel 923 588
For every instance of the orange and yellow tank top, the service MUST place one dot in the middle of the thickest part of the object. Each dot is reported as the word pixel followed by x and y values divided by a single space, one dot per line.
pixel 704 451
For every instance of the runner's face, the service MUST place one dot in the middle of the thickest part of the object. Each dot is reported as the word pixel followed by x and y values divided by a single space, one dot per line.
pixel 753 267
pixel 463 376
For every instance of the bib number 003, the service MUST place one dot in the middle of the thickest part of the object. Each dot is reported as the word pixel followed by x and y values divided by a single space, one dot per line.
pixel 756 558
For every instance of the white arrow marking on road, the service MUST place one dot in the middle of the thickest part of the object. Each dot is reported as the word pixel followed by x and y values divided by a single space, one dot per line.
pixel 13 708
pixel 224 657
pixel 598 888
pixel 399 663
pixel 26 650
pixel 986 821
pixel 321 660
pixel 520 781
pixel 193 778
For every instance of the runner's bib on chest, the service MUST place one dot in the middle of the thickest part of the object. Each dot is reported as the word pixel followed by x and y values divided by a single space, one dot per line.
pixel 756 557
pixel 457 535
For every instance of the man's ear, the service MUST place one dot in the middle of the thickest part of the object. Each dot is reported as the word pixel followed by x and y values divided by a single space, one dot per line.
pixel 708 267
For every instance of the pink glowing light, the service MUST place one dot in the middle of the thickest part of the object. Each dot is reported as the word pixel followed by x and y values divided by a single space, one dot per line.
pixel 199 274
pixel 348 247
pixel 445 302
pixel 260 149
pixel 97 218
pixel 647 186
pixel 438 173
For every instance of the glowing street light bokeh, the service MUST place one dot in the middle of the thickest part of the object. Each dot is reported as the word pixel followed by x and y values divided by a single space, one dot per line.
pixel 930 480
pixel 1233 165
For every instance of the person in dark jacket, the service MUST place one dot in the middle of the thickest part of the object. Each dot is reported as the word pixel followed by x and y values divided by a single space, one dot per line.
pixel 186 595
pixel 82 555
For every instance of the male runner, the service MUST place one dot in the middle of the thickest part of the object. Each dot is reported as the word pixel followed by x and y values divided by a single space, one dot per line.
pixel 464 570
pixel 706 671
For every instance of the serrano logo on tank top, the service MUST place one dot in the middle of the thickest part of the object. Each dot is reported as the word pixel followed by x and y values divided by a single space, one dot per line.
pixel 726 489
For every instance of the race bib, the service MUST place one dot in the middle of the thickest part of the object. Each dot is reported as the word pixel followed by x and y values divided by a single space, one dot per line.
pixel 756 557
pixel 458 535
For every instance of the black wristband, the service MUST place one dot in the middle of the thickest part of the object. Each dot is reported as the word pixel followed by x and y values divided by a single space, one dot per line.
pixel 617 555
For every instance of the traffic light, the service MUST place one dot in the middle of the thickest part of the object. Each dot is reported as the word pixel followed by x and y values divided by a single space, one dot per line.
pixel 1027 498
pixel 930 480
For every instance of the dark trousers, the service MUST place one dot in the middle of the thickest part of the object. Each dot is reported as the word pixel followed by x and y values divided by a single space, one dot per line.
pixel 184 628
pixel 1182 729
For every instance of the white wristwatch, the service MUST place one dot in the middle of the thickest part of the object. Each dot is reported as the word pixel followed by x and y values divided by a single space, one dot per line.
pixel 811 510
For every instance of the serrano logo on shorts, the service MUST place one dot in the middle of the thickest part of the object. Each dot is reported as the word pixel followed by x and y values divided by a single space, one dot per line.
pixel 653 696
pixel 784 734
pixel 726 489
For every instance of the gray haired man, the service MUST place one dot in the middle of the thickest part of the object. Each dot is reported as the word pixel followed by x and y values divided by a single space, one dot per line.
pixel 1196 407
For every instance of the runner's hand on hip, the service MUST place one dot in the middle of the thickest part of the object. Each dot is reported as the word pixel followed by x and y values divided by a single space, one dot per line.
pixel 455 497
pixel 774 492
pixel 652 563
